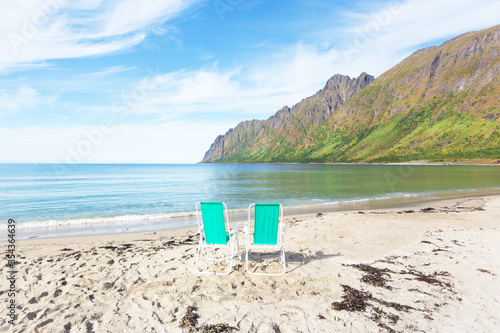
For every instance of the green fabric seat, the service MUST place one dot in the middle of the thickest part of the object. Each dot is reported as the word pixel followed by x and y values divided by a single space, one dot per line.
pixel 266 223
pixel 214 223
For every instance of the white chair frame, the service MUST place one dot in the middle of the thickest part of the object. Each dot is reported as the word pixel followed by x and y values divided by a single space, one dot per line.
pixel 280 244
pixel 233 240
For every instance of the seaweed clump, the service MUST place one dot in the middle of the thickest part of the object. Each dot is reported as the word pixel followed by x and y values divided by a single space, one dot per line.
pixel 375 276
pixel 190 323
pixel 217 328
pixel 353 300
pixel 357 300
pixel 431 279
pixel 190 319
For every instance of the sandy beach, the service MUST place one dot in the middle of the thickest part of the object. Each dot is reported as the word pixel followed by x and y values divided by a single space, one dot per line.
pixel 427 268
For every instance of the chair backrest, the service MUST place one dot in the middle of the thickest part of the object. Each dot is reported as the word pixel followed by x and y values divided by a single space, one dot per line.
pixel 214 222
pixel 267 220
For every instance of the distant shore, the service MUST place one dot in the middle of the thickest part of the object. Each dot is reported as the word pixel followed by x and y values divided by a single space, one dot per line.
pixel 482 161
pixel 429 267
pixel 452 162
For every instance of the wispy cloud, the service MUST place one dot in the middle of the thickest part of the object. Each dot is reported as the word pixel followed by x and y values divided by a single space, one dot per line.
pixel 22 98
pixel 33 31
pixel 257 89
pixel 18 67
pixel 259 45
pixel 109 71
pixel 376 40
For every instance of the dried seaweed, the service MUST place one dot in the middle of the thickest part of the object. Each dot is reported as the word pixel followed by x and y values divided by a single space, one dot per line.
pixel 361 301
pixel 353 300
pixel 454 209
pixel 190 240
pixel 438 249
pixel 217 328
pixel 190 323
pixel 406 212
pixel 396 306
pixel 384 313
pixel 190 319
pixel 430 279
pixel 375 276
pixel 119 247
pixel 393 319
pixel 390 330
pixel 357 300
pixel 485 271
pixel 379 314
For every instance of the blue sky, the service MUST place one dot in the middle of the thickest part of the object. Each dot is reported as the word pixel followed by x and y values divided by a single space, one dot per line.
pixel 91 81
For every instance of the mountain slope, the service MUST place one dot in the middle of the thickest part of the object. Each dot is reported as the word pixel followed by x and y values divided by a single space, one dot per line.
pixel 261 140
pixel 439 103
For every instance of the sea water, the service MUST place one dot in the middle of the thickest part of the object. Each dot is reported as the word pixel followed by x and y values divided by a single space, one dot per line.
pixel 48 200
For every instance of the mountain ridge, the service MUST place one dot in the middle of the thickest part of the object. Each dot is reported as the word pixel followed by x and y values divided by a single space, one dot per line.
pixel 441 102
pixel 290 124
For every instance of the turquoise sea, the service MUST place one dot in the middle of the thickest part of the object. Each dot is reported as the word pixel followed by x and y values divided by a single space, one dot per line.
pixel 48 200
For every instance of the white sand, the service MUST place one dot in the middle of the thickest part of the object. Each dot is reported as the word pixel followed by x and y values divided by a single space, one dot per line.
pixel 443 264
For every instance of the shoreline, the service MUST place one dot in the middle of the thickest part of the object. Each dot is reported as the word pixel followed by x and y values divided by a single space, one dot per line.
pixel 190 221
pixel 463 162
pixel 431 267
pixel 436 203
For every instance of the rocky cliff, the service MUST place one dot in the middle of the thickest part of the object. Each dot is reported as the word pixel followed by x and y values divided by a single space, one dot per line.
pixel 260 139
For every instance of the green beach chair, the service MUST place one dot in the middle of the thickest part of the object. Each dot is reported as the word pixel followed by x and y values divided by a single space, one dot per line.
pixel 214 232
pixel 267 231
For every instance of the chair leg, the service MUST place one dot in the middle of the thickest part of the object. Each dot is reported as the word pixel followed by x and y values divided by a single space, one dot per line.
pixel 197 258
pixel 238 245
pixel 208 256
pixel 246 260
pixel 282 261
pixel 231 262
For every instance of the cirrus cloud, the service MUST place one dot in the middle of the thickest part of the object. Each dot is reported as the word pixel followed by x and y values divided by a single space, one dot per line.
pixel 34 31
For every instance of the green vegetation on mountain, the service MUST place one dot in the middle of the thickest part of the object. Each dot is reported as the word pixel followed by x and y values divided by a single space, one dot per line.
pixel 440 103
pixel 261 140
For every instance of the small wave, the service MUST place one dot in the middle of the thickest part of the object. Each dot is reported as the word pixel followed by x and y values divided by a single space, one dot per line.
pixel 345 201
pixel 158 217
pixel 103 220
